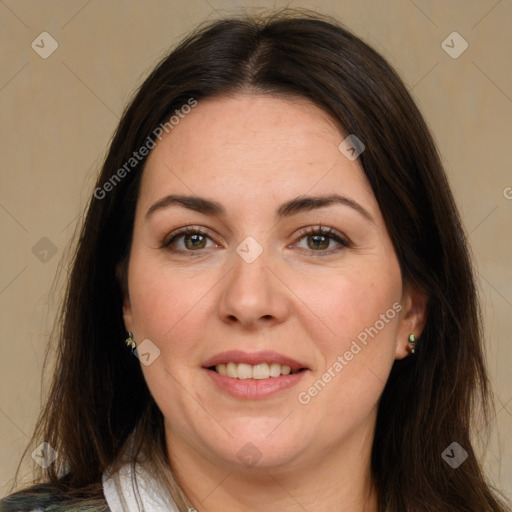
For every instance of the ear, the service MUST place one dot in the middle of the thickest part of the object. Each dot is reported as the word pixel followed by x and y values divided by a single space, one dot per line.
pixel 127 313
pixel 122 278
pixel 412 319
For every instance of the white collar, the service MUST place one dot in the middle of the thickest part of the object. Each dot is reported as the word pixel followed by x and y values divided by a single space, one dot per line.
pixel 132 489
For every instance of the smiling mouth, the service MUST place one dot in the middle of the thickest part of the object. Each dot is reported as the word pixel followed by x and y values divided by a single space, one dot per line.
pixel 259 371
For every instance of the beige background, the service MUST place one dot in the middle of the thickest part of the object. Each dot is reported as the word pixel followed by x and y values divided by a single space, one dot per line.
pixel 58 114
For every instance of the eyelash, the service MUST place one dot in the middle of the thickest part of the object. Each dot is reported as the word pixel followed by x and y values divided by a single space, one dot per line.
pixel 329 233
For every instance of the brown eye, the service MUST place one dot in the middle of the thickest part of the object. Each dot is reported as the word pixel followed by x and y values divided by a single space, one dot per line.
pixel 196 241
pixel 318 242
pixel 187 240
pixel 322 240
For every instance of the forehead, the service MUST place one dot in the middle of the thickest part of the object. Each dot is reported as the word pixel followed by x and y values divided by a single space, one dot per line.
pixel 253 146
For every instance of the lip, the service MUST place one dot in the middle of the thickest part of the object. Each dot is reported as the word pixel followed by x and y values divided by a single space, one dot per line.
pixel 254 358
pixel 254 389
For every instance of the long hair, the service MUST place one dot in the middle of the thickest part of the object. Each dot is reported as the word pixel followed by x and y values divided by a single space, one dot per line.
pixel 99 397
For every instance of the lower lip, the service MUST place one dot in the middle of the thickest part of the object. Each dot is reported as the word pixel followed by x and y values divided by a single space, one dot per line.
pixel 254 389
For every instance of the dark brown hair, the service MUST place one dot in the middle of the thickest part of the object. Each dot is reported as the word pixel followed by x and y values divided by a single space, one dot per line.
pixel 431 400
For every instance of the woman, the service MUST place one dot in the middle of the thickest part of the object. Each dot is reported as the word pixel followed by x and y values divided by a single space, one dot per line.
pixel 274 236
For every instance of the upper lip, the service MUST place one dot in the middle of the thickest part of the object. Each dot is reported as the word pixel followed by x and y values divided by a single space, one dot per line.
pixel 253 358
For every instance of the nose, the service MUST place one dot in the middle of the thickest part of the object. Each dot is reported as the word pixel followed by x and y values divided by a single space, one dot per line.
pixel 253 294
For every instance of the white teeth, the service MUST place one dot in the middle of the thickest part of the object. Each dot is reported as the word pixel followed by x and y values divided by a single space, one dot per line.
pixel 247 371
pixel 261 371
pixel 231 370
pixel 275 370
pixel 244 371
pixel 285 370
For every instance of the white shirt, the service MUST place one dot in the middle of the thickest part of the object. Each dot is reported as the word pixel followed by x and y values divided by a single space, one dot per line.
pixel 132 489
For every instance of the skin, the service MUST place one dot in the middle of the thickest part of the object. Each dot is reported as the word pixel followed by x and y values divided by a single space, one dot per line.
pixel 251 153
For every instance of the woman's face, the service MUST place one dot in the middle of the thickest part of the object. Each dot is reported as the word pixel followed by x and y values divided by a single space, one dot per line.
pixel 286 267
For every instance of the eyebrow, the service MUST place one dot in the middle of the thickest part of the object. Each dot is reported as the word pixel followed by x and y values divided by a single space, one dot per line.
pixel 292 207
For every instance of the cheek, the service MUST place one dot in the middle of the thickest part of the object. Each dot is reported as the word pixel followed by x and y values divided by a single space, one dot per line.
pixel 163 300
pixel 167 307
pixel 357 352
pixel 349 304
pixel 358 347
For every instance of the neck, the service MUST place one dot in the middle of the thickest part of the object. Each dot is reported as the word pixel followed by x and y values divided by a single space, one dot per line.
pixel 337 480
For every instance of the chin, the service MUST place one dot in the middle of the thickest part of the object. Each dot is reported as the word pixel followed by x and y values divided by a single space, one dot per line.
pixel 260 448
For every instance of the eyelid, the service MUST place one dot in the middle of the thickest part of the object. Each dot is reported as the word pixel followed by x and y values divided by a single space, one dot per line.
pixel 320 229
pixel 171 237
